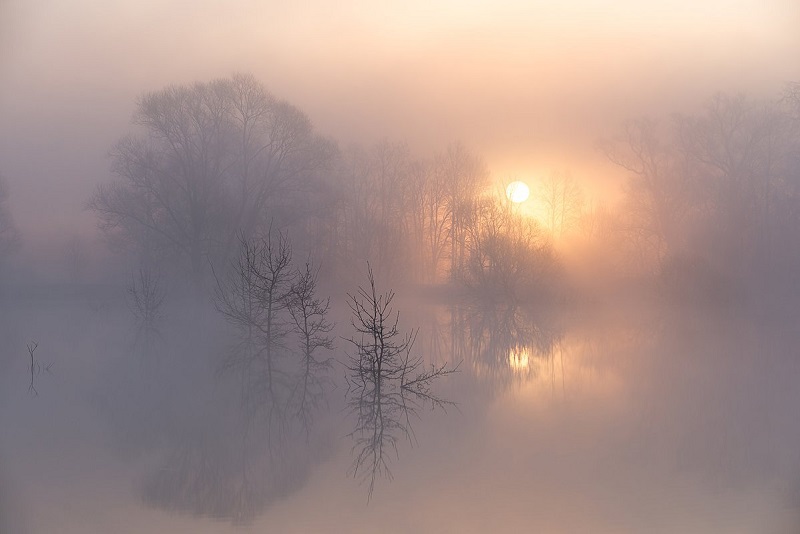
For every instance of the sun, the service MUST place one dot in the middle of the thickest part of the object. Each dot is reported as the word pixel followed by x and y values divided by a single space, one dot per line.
pixel 518 192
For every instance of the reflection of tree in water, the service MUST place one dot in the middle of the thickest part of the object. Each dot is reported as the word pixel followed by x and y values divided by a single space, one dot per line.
pixel 274 308
pixel 312 329
pixel 226 474
pixel 271 384
pixel 204 478
pixel 387 384
pixel 253 298
pixel 136 380
pixel 500 341
pixel 145 298
pixel 225 461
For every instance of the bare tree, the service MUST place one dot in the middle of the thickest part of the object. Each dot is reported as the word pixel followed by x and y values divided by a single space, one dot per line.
pixel 277 155
pixel 238 299
pixel 273 280
pixel 655 201
pixel 310 324
pixel 462 175
pixel 387 384
pixel 409 217
pixel 712 197
pixel 420 191
pixel 35 367
pixel 739 153
pixel 509 258
pixel 215 159
pixel 254 298
pixel 145 297
pixel 562 199
pixel 375 211
pixel 171 194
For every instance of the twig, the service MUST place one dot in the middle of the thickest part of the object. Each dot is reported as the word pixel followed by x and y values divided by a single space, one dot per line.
pixel 31 349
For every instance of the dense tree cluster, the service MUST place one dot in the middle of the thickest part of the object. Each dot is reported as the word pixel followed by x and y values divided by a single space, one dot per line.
pixel 409 217
pixel 213 160
pixel 714 196
pixel 510 258
pixel 225 158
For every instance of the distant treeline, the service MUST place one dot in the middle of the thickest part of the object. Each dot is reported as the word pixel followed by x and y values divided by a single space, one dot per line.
pixel 711 199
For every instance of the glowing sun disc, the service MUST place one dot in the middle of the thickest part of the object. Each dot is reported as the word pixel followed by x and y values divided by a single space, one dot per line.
pixel 518 192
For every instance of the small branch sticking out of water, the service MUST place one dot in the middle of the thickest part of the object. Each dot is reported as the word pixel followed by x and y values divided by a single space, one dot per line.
pixel 31 349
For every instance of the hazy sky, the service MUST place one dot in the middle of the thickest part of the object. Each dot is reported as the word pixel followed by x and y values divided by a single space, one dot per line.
pixel 528 84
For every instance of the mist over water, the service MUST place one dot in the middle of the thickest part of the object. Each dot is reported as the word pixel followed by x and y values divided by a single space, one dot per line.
pixel 261 267
pixel 629 420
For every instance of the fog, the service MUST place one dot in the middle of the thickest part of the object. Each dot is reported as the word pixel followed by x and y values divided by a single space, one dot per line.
pixel 260 268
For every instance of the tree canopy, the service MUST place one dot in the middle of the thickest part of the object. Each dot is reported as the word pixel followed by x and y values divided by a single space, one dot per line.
pixel 211 160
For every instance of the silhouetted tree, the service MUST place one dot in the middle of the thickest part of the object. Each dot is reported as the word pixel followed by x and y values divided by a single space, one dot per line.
pixel 408 216
pixel 254 297
pixel 387 384
pixel 509 259
pixel 655 203
pixel 426 226
pixel 35 367
pixel 462 175
pixel 311 326
pixel 145 297
pixel 562 199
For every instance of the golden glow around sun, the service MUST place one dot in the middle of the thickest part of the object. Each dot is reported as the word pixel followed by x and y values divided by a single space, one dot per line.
pixel 518 192
pixel 519 357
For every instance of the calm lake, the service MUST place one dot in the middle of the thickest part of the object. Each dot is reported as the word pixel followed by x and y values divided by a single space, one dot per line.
pixel 633 418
